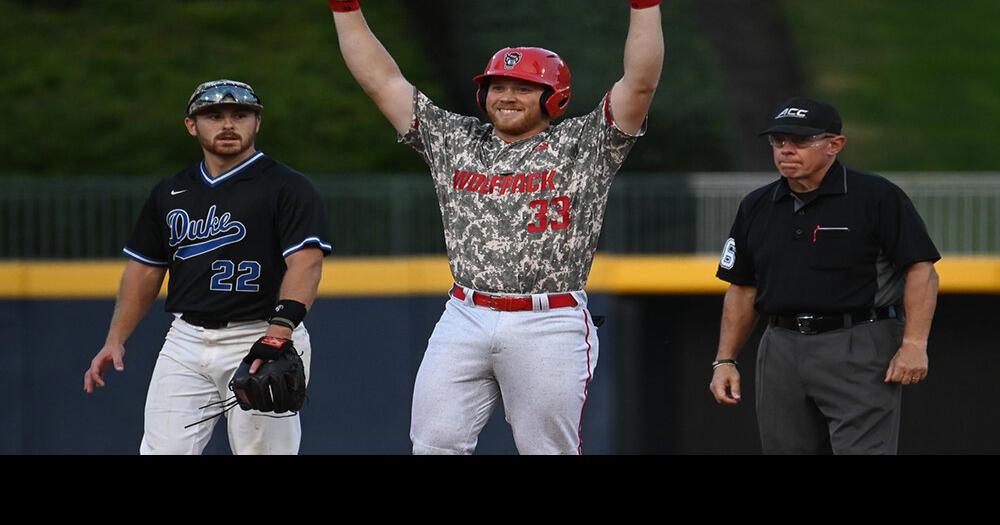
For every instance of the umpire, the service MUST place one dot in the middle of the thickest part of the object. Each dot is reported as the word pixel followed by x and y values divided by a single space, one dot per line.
pixel 836 260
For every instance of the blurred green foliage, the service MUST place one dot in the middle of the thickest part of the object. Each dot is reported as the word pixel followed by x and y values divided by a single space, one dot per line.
pixel 99 87
pixel 916 82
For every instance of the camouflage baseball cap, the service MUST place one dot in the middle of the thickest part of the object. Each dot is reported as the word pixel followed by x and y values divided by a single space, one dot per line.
pixel 219 92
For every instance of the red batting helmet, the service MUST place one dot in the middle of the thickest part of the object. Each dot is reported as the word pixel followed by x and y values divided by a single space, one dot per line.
pixel 533 64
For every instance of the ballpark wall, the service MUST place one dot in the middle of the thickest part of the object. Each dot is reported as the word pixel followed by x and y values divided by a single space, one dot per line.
pixel 365 357
pixel 649 394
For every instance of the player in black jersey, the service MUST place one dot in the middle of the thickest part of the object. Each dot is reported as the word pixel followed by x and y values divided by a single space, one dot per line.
pixel 243 236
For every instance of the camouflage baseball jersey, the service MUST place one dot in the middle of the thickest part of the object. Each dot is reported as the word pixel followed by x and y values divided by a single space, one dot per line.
pixel 524 217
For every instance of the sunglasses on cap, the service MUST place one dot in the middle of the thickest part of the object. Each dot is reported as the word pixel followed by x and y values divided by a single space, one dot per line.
pixel 224 94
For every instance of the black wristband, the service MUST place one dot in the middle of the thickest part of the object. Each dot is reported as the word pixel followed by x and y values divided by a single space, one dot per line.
pixel 719 362
pixel 288 313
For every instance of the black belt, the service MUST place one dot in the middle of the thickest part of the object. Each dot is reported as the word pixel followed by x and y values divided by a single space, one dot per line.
pixel 211 324
pixel 810 324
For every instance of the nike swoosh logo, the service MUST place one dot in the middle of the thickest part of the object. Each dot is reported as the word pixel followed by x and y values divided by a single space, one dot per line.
pixel 175 193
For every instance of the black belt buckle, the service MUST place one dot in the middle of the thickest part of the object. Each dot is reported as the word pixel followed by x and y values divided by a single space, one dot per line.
pixel 207 324
pixel 805 324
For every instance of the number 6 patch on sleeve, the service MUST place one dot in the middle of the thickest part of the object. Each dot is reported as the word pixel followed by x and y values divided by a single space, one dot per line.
pixel 728 255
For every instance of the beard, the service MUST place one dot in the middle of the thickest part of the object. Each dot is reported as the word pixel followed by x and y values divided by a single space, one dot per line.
pixel 220 146
pixel 523 123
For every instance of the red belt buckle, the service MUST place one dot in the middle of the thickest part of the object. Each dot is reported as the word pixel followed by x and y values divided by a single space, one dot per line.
pixel 496 303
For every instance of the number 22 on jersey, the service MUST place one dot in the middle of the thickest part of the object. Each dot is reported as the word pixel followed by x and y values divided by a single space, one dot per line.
pixel 246 273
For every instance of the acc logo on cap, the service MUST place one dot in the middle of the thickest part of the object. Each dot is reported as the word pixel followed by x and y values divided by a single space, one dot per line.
pixel 793 112
pixel 728 255
pixel 511 60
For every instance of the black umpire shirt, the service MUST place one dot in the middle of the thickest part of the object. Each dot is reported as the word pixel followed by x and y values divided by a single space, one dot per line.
pixel 840 248
pixel 225 240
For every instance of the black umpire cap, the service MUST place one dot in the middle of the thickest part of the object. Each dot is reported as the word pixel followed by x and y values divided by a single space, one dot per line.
pixel 804 117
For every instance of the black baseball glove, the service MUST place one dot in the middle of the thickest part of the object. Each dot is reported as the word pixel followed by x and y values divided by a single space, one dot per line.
pixel 280 383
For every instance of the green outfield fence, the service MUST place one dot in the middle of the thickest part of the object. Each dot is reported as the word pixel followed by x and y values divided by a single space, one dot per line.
pixel 379 215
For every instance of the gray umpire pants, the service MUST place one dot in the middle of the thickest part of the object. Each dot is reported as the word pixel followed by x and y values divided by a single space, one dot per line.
pixel 824 393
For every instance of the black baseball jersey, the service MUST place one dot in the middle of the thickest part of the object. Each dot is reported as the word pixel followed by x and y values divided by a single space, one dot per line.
pixel 224 240
pixel 840 248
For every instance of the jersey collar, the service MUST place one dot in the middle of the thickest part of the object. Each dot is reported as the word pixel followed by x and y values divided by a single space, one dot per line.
pixel 207 179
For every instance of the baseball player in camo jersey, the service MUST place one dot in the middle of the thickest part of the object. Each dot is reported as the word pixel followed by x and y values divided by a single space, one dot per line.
pixel 243 237
pixel 522 201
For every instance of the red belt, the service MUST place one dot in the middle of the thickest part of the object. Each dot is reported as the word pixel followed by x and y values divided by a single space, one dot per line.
pixel 506 303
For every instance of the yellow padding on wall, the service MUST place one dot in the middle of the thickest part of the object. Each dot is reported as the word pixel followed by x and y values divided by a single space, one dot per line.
pixel 403 276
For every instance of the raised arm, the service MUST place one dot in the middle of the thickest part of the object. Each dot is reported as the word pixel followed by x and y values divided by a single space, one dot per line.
pixel 633 94
pixel 371 65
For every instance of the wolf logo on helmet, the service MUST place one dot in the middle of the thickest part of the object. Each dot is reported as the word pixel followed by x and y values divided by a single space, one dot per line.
pixel 511 60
